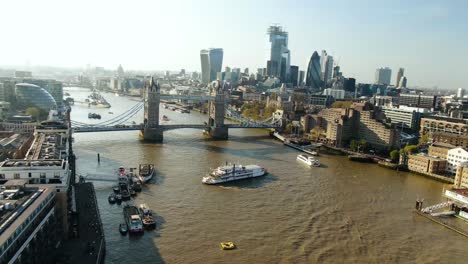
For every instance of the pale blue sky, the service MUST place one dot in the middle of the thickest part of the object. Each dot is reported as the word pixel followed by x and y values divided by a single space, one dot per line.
pixel 427 38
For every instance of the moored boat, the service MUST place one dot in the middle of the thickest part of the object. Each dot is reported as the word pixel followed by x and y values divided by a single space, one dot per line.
pixel 121 172
pixel 147 216
pixel 118 198
pixel 233 173
pixel 111 198
pixel 146 172
pixel 123 229
pixel 135 183
pixel 133 219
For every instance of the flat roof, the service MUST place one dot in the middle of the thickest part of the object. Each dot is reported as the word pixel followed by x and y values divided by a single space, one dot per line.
pixel 427 156
pixel 14 163
pixel 44 190
pixel 463 192
pixel 443 145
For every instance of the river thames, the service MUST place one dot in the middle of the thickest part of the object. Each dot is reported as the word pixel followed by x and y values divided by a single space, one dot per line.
pixel 342 212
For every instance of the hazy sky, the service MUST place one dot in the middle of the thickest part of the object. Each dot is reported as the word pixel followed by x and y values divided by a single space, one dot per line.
pixel 427 38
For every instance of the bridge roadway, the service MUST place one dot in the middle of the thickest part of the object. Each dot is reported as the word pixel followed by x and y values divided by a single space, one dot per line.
pixel 198 98
pixel 164 127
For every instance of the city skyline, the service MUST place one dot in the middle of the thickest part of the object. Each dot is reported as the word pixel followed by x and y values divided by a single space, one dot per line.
pixel 354 34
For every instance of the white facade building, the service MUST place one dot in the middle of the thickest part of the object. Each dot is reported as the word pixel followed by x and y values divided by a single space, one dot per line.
pixel 337 94
pixel 454 158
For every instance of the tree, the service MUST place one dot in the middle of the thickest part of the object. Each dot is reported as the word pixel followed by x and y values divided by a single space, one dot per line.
pixel 411 149
pixel 363 145
pixel 316 132
pixel 424 139
pixel 354 145
pixel 34 112
pixel 395 155
pixel 342 104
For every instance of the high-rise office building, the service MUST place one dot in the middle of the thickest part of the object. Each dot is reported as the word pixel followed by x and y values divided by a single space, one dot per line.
pixel 349 84
pixel 400 74
pixel 336 72
pixel 294 75
pixel 326 64
pixel 314 73
pixel 211 64
pixel 328 70
pixel 460 93
pixel 279 63
pixel 301 78
pixel 402 83
pixel 323 60
pixel 216 62
pixel 383 76
pixel 205 66
pixel 246 71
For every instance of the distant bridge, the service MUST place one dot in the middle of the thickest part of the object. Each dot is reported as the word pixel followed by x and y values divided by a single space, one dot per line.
pixel 152 130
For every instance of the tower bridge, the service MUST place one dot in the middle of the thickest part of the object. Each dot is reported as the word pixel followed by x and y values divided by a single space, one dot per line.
pixel 151 130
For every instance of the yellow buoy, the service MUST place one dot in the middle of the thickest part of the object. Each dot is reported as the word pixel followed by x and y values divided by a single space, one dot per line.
pixel 227 245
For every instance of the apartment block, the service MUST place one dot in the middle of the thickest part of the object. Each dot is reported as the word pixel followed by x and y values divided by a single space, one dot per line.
pixel 426 164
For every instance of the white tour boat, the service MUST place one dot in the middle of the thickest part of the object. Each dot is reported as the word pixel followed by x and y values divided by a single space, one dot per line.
pixel 233 173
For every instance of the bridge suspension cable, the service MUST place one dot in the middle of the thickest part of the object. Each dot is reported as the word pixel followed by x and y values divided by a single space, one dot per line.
pixel 113 121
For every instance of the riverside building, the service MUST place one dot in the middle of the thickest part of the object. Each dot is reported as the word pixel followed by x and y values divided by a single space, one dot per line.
pixel 455 157
pixel 445 129
pixel 28 222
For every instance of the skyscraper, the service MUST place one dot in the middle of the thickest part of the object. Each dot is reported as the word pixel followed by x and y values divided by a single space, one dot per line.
pixel 402 83
pixel 294 74
pixel 205 66
pixel 314 73
pixel 216 62
pixel 328 72
pixel 301 78
pixel 279 63
pixel 460 93
pixel 401 73
pixel 326 64
pixel 383 76
pixel 211 64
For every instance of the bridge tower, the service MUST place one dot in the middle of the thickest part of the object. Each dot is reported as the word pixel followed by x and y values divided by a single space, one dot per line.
pixel 151 130
pixel 217 129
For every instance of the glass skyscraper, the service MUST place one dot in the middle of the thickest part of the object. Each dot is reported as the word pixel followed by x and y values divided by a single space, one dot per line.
pixel 205 66
pixel 280 57
pixel 294 75
pixel 211 64
pixel 216 62
pixel 401 73
pixel 383 76
pixel 314 73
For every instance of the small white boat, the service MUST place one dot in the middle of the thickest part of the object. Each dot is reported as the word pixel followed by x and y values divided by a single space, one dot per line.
pixel 309 160
pixel 313 153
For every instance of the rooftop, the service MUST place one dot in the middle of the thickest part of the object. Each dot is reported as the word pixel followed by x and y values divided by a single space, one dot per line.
pixel 13 163
pixel 442 145
pixel 447 119
pixel 18 204
pixel 47 146
pixel 434 158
